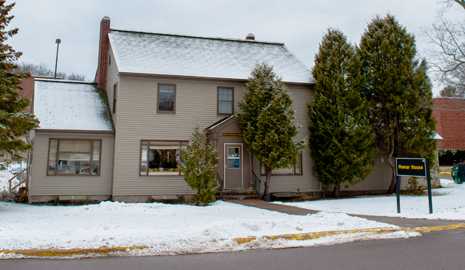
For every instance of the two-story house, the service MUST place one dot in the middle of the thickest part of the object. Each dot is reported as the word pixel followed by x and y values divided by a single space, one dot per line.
pixel 120 137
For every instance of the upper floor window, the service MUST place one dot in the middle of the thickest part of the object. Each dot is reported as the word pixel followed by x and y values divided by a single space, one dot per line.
pixel 115 93
pixel 225 100
pixel 74 157
pixel 166 98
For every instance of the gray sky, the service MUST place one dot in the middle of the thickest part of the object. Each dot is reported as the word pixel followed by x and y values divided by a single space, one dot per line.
pixel 298 23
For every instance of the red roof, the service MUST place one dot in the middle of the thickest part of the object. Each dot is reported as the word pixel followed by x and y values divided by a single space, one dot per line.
pixel 449 114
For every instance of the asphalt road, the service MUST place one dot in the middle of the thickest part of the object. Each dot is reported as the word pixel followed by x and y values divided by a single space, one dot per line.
pixel 436 251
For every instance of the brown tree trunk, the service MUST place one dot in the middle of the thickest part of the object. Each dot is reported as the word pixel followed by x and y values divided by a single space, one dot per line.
pixel 336 190
pixel 266 193
pixel 392 185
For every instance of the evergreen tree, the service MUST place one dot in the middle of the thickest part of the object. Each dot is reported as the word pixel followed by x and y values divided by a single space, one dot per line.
pixel 198 166
pixel 397 89
pixel 417 123
pixel 341 137
pixel 14 121
pixel 267 122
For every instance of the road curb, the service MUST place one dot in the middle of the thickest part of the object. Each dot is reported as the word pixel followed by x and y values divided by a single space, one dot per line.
pixel 107 251
pixel 381 230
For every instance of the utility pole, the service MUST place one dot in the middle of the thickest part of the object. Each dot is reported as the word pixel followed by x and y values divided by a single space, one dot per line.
pixel 57 41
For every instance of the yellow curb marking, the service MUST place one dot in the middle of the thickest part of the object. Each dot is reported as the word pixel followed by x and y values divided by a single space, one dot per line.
pixel 239 240
pixel 69 252
pixel 315 235
pixel 450 227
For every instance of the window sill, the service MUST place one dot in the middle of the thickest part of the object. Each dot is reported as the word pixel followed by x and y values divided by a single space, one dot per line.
pixel 160 175
pixel 166 112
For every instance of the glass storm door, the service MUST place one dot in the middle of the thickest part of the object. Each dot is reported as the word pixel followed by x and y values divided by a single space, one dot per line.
pixel 233 170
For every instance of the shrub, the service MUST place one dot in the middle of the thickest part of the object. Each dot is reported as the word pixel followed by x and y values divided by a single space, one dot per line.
pixel 198 166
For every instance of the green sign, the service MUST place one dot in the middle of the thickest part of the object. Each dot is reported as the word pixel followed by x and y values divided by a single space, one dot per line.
pixel 411 167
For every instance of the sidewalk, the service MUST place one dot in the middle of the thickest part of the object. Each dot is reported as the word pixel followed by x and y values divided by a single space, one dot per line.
pixel 286 209
pixel 398 221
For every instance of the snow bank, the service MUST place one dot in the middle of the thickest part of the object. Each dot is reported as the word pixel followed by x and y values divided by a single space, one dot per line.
pixel 6 174
pixel 166 229
pixel 448 203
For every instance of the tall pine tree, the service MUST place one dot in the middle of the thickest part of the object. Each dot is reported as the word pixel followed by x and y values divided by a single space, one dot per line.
pixel 341 137
pixel 14 121
pixel 267 122
pixel 398 91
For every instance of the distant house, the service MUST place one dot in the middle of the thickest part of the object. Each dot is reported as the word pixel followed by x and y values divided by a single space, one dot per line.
pixel 120 137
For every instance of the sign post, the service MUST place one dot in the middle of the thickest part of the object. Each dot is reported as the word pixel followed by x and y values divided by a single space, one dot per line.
pixel 413 167
pixel 428 181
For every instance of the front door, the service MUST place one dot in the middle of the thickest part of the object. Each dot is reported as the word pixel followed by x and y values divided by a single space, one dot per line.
pixel 233 167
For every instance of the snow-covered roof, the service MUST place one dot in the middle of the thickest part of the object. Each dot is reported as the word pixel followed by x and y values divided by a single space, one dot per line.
pixel 70 105
pixel 167 54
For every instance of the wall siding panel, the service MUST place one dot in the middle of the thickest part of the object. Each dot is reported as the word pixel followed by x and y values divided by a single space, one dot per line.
pixel 196 106
pixel 43 185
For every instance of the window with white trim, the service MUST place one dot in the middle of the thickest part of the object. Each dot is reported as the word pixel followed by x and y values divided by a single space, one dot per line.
pixel 225 100
pixel 166 98
pixel 74 157
pixel 160 157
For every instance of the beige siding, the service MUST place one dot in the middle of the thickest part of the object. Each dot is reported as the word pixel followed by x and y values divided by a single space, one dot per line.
pixel 112 79
pixel 378 180
pixel 43 185
pixel 196 106
pixel 307 182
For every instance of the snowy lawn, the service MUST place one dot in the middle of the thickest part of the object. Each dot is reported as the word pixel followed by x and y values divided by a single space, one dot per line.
pixel 448 203
pixel 164 228
pixel 6 174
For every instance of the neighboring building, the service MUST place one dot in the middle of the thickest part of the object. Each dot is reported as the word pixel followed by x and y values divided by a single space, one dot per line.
pixel 449 113
pixel 124 143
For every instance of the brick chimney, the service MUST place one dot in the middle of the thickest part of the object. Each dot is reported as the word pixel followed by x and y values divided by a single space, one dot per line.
pixel 27 90
pixel 104 43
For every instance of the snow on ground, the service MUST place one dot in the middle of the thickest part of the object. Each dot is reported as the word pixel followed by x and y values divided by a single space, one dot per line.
pixel 4 176
pixel 165 228
pixel 448 203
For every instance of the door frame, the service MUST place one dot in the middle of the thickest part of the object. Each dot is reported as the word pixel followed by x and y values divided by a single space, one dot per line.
pixel 225 146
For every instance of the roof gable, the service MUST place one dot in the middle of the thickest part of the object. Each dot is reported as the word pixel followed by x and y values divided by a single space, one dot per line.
pixel 176 55
pixel 69 105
